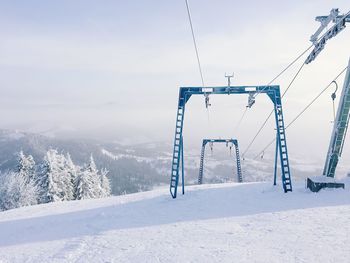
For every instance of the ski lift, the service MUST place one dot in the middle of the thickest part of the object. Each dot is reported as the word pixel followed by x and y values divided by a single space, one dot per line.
pixel 251 100
pixel 229 143
pixel 262 155
pixel 207 102
pixel 229 146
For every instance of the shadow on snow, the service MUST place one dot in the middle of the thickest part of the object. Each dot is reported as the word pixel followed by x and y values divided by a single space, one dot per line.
pixel 200 204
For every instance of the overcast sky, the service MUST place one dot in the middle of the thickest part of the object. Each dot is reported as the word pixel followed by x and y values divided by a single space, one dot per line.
pixel 112 69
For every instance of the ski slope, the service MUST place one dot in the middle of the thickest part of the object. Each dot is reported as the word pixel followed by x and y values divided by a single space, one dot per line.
pixel 251 222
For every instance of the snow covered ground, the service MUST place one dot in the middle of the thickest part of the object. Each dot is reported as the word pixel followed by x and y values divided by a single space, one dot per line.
pixel 252 222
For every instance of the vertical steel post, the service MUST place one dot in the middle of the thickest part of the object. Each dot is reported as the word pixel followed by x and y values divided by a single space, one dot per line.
pixel 282 143
pixel 340 128
pixel 201 164
pixel 238 163
pixel 276 160
pixel 182 166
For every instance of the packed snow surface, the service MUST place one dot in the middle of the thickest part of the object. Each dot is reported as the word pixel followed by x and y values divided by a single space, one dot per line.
pixel 211 223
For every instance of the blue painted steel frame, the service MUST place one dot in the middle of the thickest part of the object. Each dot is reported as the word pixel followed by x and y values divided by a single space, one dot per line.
pixel 185 94
pixel 238 159
pixel 276 160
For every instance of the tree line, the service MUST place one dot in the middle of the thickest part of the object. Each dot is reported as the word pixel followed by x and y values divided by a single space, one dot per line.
pixel 55 179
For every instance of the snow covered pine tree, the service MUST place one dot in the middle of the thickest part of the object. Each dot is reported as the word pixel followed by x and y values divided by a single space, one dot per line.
pixel 18 188
pixel 26 166
pixel 89 182
pixel 54 178
pixel 72 176
pixel 15 191
pixel 105 184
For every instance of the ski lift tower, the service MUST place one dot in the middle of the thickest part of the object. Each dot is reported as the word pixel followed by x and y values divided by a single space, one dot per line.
pixel 185 93
pixel 341 121
pixel 227 141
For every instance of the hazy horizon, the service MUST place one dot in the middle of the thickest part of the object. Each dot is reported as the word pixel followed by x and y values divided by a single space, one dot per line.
pixel 112 71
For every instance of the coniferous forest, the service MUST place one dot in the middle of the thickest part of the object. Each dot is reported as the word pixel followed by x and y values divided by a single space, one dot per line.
pixel 56 178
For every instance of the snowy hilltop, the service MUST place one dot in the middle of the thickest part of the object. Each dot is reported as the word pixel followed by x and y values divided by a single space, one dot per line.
pixel 250 222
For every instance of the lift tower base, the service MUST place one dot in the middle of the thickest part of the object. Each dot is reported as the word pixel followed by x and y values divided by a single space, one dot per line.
pixel 316 184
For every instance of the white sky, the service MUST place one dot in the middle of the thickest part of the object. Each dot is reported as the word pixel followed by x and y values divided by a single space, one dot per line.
pixel 112 70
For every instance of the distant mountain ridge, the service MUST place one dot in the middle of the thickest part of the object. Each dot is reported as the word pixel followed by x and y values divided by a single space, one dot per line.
pixel 126 173
pixel 141 167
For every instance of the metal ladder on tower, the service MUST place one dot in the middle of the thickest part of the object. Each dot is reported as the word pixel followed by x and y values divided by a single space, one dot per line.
pixel 178 150
pixel 286 178
pixel 239 168
pixel 200 177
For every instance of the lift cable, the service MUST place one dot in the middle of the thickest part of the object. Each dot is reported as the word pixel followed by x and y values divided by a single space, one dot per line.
pixel 302 112
pixel 284 70
pixel 194 42
pixel 276 77
pixel 207 104
pixel 270 114
pixel 312 45
pixel 240 120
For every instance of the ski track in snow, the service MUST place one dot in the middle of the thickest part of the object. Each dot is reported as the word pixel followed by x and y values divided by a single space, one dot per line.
pixel 250 222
